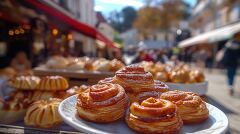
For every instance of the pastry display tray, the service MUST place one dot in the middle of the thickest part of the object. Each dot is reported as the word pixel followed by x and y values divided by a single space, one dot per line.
pixel 217 123
pixel 75 78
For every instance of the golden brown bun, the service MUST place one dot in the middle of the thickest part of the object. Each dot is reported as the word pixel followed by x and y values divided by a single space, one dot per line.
pixel 26 82
pixel 43 114
pixel 196 76
pixel 162 76
pixel 115 65
pixel 52 83
pixel 154 116
pixel 179 76
pixel 191 107
pixel 102 103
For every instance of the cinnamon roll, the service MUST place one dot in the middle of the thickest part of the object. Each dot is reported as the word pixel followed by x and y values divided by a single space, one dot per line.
pixel 106 80
pixel 102 103
pixel 156 116
pixel 138 84
pixel 191 107
pixel 133 78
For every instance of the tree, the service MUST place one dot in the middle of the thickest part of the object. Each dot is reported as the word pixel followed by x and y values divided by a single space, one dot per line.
pixel 129 15
pixel 123 20
pixel 161 16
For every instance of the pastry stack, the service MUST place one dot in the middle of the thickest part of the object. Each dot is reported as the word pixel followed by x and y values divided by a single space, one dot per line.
pixel 137 83
pixel 152 108
pixel 34 91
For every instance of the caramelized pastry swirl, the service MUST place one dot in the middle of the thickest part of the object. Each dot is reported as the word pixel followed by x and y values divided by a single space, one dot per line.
pixel 154 116
pixel 102 103
pixel 191 107
pixel 133 78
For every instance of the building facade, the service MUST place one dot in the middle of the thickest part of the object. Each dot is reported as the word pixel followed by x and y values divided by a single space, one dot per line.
pixel 82 10
pixel 208 15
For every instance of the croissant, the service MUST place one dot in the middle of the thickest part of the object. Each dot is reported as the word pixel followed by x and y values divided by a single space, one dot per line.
pixel 191 107
pixel 155 116
pixel 43 114
pixel 102 103
pixel 26 82
pixel 53 83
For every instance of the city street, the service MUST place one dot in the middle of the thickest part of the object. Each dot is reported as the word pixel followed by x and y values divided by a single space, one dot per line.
pixel 219 97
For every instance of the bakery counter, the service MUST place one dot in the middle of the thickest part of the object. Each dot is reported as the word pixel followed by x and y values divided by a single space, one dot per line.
pixel 75 77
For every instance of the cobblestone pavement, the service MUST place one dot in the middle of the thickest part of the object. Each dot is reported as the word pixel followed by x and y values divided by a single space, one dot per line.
pixel 218 96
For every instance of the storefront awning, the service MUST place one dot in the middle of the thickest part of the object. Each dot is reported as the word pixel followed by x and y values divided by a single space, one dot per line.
pixel 72 22
pixel 209 37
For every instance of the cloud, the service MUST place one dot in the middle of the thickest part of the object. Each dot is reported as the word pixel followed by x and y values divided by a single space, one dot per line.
pixel 98 8
pixel 134 3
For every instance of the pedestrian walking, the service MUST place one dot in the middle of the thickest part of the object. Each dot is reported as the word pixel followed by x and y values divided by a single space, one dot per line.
pixel 230 60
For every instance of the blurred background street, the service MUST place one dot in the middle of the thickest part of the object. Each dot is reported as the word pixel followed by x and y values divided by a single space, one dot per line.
pixel 218 96
pixel 190 37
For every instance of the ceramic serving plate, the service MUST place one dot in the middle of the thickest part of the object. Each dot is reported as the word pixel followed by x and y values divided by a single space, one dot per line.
pixel 216 124
pixel 199 88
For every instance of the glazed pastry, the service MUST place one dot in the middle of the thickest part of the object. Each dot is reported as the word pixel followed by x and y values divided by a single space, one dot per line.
pixel 11 111
pixel 138 84
pixel 196 76
pixel 102 103
pixel 26 82
pixel 133 78
pixel 115 65
pixel 53 83
pixel 43 114
pixel 159 88
pixel 179 76
pixel 155 116
pixel 191 107
pixel 57 62
pixel 106 80
pixel 162 76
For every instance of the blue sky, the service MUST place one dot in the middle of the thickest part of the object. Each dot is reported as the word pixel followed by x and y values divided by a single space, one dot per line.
pixel 106 6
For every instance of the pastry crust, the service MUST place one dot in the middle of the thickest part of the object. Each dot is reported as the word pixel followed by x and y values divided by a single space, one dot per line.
pixel 43 114
pixel 154 116
pixel 53 83
pixel 102 103
pixel 191 107
pixel 133 78
pixel 26 82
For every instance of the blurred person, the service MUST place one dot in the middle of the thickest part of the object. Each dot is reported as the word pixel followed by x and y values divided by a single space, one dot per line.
pixel 161 56
pixel 142 56
pixel 6 74
pixel 230 60
pixel 20 63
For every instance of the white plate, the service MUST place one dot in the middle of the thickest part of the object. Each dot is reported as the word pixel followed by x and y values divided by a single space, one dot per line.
pixel 216 124
pixel 199 88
